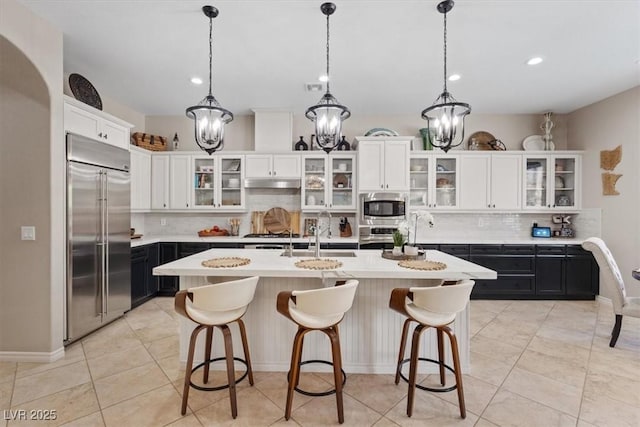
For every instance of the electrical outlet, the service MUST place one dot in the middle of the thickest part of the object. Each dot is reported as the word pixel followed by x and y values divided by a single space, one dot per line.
pixel 163 221
pixel 28 232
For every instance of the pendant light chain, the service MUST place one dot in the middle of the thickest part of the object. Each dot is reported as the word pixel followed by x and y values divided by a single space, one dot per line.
pixel 210 51
pixel 445 52
pixel 328 78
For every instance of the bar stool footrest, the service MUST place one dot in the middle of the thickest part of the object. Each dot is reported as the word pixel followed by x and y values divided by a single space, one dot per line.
pixel 421 387
pixel 317 394
pixel 222 387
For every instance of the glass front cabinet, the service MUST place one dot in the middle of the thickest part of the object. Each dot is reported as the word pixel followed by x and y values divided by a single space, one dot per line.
pixel 218 182
pixel 328 182
pixel 433 181
pixel 552 182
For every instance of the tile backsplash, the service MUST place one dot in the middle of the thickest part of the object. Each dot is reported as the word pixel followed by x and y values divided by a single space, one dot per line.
pixel 467 226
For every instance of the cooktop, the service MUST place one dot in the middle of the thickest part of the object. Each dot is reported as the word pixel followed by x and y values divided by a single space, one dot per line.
pixel 271 235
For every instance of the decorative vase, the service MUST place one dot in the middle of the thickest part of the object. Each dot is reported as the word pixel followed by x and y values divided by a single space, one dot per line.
pixel 343 145
pixel 426 139
pixel 301 145
pixel 410 250
pixel 397 250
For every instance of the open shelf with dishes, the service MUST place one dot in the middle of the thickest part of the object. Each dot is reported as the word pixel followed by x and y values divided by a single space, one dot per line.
pixel 433 181
pixel 328 182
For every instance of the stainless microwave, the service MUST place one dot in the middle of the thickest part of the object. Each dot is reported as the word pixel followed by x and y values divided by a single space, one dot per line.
pixel 383 208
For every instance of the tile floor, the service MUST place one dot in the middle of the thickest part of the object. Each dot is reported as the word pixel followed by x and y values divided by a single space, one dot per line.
pixel 534 363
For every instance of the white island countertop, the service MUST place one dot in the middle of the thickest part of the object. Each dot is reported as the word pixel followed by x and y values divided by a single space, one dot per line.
pixel 367 264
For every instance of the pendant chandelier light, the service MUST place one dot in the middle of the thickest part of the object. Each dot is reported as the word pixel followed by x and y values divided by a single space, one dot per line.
pixel 445 118
pixel 328 114
pixel 209 116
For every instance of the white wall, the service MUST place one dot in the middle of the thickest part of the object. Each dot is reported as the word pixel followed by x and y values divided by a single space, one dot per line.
pixel 603 126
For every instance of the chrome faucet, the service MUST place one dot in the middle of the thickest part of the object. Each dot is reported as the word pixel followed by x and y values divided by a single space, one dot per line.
pixel 318 231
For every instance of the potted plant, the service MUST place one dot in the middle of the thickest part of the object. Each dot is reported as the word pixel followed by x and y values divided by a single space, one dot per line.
pixel 416 217
pixel 398 241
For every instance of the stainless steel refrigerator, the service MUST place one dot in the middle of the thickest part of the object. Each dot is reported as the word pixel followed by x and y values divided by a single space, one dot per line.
pixel 98 239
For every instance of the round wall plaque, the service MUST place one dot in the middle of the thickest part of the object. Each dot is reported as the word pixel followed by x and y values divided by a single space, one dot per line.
pixel 84 91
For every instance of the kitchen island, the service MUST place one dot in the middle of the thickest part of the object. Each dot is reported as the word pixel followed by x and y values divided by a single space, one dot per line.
pixel 370 331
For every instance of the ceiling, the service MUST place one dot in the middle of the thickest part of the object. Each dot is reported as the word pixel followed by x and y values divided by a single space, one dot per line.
pixel 386 56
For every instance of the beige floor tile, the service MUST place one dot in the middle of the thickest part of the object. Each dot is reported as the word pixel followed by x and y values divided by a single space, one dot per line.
pixel 138 319
pixel 92 420
pixel 614 386
pixel 199 399
pixel 127 384
pixel 510 410
pixel 552 367
pixel 547 391
pixel 68 405
pixel 583 423
pixel 72 354
pixel 48 382
pixel 479 319
pixel 284 423
pixel 7 371
pixel 6 389
pixel 584 322
pixel 119 361
pixel 615 361
pixel 254 409
pixel 157 331
pixel 378 392
pixel 489 369
pixel 517 334
pixel 114 337
pixel 567 336
pixel 603 411
pixel 495 348
pixel 322 411
pixel 274 386
pixel 385 422
pixel 154 408
pixel 172 368
pixel 477 393
pixel 164 347
pixel 429 410
pixel 494 306
pixel 551 347
pixel 189 420
pixel 484 423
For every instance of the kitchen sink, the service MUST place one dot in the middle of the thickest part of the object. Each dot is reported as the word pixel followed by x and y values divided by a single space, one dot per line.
pixel 323 253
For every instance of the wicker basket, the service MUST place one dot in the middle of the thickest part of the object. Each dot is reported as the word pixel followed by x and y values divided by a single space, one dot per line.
pixel 149 142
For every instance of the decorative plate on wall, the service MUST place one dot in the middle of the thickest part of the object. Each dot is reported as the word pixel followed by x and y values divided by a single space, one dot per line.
pixel 381 132
pixel 84 91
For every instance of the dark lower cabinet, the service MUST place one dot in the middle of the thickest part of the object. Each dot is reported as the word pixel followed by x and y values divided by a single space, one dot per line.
pixel 167 285
pixel 515 265
pixel 550 276
pixel 582 275
pixel 143 283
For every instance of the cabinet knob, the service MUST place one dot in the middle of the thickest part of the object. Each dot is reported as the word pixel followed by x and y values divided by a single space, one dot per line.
pixel 488 206
pixel 269 172
pixel 381 186
pixel 164 205
pixel 100 134
pixel 387 185
pixel 274 173
pixel 494 205
pixel 105 136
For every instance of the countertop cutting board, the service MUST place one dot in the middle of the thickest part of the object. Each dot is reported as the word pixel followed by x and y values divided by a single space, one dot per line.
pixel 277 220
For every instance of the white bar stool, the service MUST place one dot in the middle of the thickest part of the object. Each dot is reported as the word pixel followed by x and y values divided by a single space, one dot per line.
pixel 431 307
pixel 216 306
pixel 317 310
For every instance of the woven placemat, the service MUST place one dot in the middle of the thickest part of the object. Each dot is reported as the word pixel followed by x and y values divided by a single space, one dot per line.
pixel 318 264
pixel 422 264
pixel 226 262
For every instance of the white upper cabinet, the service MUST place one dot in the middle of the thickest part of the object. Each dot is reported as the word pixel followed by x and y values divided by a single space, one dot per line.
pixel 328 182
pixel 490 181
pixel 434 181
pixel 140 172
pixel 85 120
pixel 160 181
pixel 383 164
pixel 552 182
pixel 180 182
pixel 272 166
pixel 218 182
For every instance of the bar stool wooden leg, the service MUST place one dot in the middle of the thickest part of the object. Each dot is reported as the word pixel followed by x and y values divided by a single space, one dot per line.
pixel 207 353
pixel 189 366
pixel 456 368
pixel 403 346
pixel 441 355
pixel 294 370
pixel 231 375
pixel 245 347
pixel 337 369
pixel 413 367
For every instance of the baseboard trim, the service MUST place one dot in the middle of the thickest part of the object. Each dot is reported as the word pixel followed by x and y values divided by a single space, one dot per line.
pixel 32 356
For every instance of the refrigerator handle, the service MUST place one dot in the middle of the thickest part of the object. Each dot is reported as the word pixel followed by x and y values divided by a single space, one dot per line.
pixel 105 236
pixel 103 270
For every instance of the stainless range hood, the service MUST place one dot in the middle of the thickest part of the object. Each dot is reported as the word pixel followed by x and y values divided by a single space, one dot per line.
pixel 272 183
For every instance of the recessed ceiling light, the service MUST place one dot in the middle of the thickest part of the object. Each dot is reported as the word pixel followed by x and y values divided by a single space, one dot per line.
pixel 313 87
pixel 454 77
pixel 534 61
pixel 196 80
pixel 323 78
